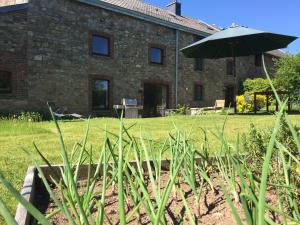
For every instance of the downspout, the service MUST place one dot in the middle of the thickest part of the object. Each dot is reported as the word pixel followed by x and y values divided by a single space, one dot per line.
pixel 176 68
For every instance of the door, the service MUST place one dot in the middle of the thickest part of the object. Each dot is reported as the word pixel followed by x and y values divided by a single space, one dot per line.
pixel 229 96
pixel 155 99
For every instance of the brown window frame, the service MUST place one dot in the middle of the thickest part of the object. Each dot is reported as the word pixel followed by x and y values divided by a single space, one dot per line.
pixel 195 92
pixel 229 70
pixel 11 86
pixel 164 54
pixel 110 44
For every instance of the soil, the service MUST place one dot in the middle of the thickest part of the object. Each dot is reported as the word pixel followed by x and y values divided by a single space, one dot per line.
pixel 214 209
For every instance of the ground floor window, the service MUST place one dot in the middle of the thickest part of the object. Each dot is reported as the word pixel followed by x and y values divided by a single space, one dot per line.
pixel 198 92
pixel 5 82
pixel 100 98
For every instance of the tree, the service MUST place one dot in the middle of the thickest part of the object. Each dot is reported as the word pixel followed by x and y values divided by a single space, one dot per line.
pixel 287 74
pixel 255 85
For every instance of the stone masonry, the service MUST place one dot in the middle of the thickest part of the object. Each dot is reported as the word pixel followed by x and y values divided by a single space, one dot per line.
pixel 47 47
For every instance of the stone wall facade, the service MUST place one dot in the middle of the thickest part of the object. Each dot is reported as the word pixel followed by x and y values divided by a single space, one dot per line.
pixel 13 54
pixel 50 52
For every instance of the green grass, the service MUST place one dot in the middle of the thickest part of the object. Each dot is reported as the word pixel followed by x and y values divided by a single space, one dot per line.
pixel 17 135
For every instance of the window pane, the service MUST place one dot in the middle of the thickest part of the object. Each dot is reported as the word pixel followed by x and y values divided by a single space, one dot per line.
pixel 229 67
pixel 156 55
pixel 100 45
pixel 198 64
pixel 198 95
pixel 100 94
pixel 5 82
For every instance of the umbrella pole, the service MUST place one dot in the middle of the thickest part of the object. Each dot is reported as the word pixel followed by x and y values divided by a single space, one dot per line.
pixel 234 75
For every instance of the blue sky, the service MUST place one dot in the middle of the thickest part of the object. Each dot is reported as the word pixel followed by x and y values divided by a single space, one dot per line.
pixel 279 16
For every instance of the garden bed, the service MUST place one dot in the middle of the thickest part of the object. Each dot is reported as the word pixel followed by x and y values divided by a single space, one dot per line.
pixel 214 209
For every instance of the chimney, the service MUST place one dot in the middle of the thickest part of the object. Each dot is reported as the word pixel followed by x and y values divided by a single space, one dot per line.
pixel 175 7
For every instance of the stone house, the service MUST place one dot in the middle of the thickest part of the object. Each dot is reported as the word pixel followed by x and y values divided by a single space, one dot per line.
pixel 86 55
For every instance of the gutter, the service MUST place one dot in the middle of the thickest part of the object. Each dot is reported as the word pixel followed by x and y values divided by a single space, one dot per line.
pixel 142 16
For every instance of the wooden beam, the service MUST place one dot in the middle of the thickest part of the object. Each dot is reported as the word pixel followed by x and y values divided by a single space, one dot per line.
pixel 255 108
pixel 267 102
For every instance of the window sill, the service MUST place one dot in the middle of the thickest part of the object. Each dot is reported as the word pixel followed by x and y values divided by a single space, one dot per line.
pixel 157 64
pixel 101 56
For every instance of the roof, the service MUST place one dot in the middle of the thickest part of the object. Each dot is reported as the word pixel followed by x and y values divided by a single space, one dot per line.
pixel 4 3
pixel 11 8
pixel 143 10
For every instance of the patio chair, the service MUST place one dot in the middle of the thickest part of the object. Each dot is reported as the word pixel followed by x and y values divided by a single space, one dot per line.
pixel 219 104
pixel 62 112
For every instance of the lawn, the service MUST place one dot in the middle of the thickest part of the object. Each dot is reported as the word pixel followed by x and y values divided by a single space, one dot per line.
pixel 15 136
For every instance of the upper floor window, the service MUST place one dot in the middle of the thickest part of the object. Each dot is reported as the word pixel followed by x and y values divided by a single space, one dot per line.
pixel 101 45
pixel 198 92
pixel 198 64
pixel 5 82
pixel 156 55
pixel 258 60
pixel 229 67
pixel 100 94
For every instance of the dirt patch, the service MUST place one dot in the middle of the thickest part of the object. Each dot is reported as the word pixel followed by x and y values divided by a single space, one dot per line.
pixel 214 207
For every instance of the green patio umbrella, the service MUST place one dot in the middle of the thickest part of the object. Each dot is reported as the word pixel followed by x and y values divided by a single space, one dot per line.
pixel 237 41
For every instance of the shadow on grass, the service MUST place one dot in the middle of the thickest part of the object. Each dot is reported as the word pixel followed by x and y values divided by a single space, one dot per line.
pixel 263 113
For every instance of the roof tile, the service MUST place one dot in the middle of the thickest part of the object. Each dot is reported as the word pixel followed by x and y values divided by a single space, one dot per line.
pixel 163 14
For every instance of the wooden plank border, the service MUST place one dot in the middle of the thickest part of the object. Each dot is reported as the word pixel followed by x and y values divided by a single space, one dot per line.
pixel 28 191
pixel 23 217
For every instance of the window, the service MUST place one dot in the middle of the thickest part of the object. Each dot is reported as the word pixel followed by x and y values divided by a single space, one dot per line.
pixel 5 82
pixel 258 59
pixel 100 98
pixel 100 45
pixel 198 64
pixel 156 55
pixel 229 67
pixel 198 92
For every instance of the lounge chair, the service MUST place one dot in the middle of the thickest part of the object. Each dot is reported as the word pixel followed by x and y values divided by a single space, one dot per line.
pixel 62 113
pixel 219 104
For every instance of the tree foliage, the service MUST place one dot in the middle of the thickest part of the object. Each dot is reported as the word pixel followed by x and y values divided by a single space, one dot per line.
pixel 287 76
pixel 254 85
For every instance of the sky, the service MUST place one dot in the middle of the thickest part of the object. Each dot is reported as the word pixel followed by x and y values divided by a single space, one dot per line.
pixel 278 16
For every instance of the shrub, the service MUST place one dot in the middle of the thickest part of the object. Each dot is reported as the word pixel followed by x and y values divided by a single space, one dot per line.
pixel 245 103
pixel 24 116
pixel 255 143
pixel 182 109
